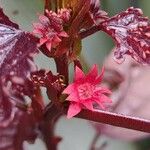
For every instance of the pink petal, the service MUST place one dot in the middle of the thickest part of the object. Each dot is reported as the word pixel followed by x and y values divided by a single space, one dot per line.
pixel 92 74
pixel 63 34
pixel 37 31
pixel 74 109
pixel 42 41
pixel 100 77
pixel 49 45
pixel 38 25
pixel 105 99
pixel 99 103
pixel 73 97
pixel 38 28
pixel 69 89
pixel 56 40
pixel 43 19
pixel 78 74
pixel 88 104
pixel 101 100
pixel 102 90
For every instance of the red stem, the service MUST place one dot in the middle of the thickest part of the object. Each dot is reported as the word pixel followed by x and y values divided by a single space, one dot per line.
pixel 47 4
pixel 89 32
pixel 62 66
pixel 116 120
pixel 51 115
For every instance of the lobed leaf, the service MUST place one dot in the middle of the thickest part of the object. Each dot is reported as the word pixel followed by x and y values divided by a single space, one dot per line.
pixel 131 32
pixel 5 20
pixel 16 63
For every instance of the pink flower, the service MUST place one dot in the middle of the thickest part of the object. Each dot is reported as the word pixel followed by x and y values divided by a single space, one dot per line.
pixel 64 14
pixel 50 28
pixel 85 91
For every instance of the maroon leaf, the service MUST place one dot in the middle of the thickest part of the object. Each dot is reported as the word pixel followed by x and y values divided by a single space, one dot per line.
pixel 96 14
pixel 16 64
pixel 11 133
pixel 131 32
pixel 5 20
pixel 53 83
pixel 16 48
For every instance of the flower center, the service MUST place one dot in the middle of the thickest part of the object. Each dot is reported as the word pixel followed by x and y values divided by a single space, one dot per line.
pixel 85 91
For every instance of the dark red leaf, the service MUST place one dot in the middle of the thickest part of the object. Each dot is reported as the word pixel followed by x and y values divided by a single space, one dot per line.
pixel 15 126
pixel 53 83
pixel 16 64
pixel 5 20
pixel 96 14
pixel 131 32
pixel 17 49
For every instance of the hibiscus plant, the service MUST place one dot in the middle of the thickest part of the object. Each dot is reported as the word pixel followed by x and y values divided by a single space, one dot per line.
pixel 58 35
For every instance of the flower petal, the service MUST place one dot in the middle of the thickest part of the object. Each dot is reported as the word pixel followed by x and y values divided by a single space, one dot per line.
pixel 73 97
pixel 91 76
pixel 88 104
pixel 102 100
pixel 63 34
pixel 56 39
pixel 102 90
pixel 74 109
pixel 49 45
pixel 100 77
pixel 42 41
pixel 98 101
pixel 43 19
pixel 38 28
pixel 78 74
pixel 105 99
pixel 69 89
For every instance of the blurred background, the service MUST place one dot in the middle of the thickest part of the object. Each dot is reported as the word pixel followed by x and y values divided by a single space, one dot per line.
pixel 77 134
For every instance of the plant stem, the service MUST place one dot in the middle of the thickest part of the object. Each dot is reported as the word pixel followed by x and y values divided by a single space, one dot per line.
pixel 51 116
pixel 62 66
pixel 89 32
pixel 47 5
pixel 116 120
